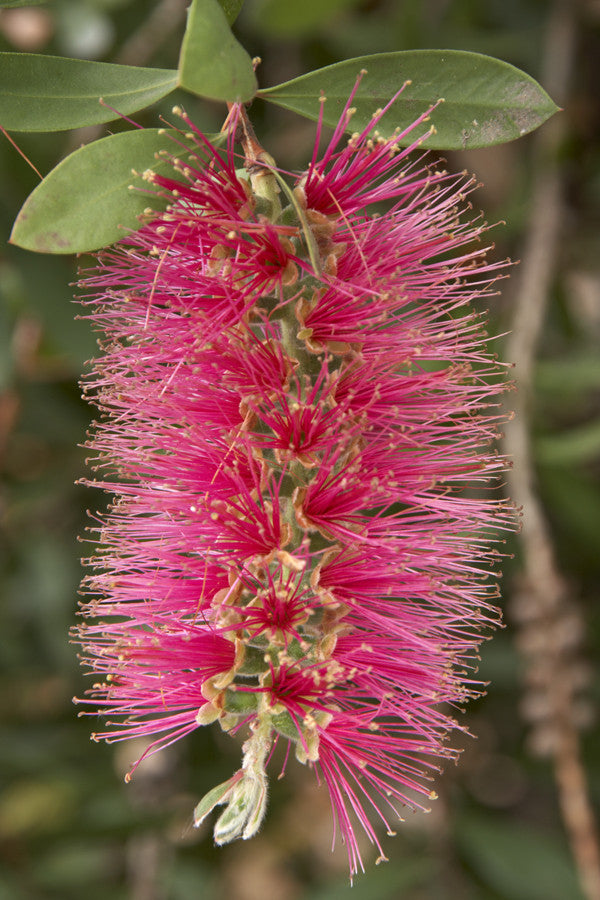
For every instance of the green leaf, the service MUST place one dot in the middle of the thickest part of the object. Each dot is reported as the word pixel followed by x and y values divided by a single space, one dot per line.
pixel 486 101
pixel 212 63
pixel 517 861
pixel 50 93
pixel 84 203
pixel 11 4
pixel 574 447
pixel 232 9
pixel 575 374
pixel 215 797
pixel 573 497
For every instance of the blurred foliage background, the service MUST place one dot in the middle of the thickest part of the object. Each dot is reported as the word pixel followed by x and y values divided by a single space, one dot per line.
pixel 69 826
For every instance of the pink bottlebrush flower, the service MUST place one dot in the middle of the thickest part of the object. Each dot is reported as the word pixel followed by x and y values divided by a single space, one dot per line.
pixel 295 406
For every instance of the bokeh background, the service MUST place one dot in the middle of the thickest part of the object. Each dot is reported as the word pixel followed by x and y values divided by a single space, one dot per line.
pixel 513 818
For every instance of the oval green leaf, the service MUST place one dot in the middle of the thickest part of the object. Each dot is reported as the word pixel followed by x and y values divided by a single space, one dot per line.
pixel 212 63
pixel 51 93
pixel 486 101
pixel 232 9
pixel 85 203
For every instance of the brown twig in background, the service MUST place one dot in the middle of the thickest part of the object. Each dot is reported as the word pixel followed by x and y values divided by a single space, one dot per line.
pixel 549 622
pixel 161 22
pixel 148 852
pixel 145 856
pixel 164 19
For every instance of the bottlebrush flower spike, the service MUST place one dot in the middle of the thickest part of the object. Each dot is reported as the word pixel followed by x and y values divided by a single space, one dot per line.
pixel 295 406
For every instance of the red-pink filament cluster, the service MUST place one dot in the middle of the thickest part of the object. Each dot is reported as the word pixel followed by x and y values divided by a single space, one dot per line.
pixel 296 415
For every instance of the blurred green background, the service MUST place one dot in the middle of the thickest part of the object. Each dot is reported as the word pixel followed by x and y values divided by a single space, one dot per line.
pixel 69 827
